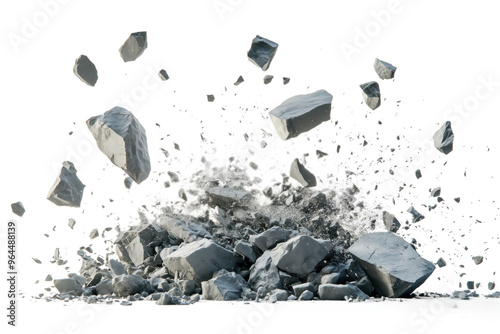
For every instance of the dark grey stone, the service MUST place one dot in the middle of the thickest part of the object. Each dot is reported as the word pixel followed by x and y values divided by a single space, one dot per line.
pixel 383 69
pixel 182 195
pixel 85 70
pixel 239 80
pixel 225 198
pixel 121 137
pixel 391 263
pixel 491 285
pixel 105 287
pixel 371 94
pixel 477 259
pixel 71 223
pixel 268 79
pixel 166 299
pixel 301 113
pixel 306 295
pixel 173 177
pixel 68 285
pixel 163 75
pixel 457 199
pixel 436 192
pixel 117 267
pixel 199 259
pixel 298 289
pixel 67 190
pixel 416 215
pixel 470 285
pixel 210 98
pixel 134 46
pixel 301 254
pixel 340 292
pixel 262 52
pixel 390 222
pixel 441 262
pixel 226 286
pixel 127 182
pixel 443 138
pixel 299 173
pixel 264 274
pixel 184 230
pixel 286 80
pixel 418 173
pixel 94 233
pixel 187 286
pixel 271 237
pixel 18 208
pixel 126 285
pixel 332 278
pixel 245 248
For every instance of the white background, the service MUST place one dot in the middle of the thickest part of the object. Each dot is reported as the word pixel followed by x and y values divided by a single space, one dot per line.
pixel 444 52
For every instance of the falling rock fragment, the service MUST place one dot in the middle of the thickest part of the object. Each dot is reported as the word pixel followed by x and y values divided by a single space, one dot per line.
pixel 67 190
pixel 264 274
pixel 302 175
pixel 371 94
pixel 126 285
pixel 18 208
pixel 390 222
pixel 383 69
pixel 225 286
pixel 443 138
pixel 477 259
pixel 85 70
pixel 271 237
pixel 186 230
pixel 246 249
pixel 391 263
pixel 210 98
pixel 286 80
pixel 301 254
pixel 340 291
pixel 262 52
pixel 418 173
pixel 436 192
pixel 301 113
pixel 239 80
pixel 163 75
pixel 225 198
pixel 134 46
pixel 199 259
pixel 127 182
pixel 267 79
pixel 94 233
pixel 121 137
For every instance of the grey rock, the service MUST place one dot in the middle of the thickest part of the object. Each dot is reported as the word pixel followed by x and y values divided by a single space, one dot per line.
pixel 391 263
pixel 71 223
pixel 306 295
pixel 301 113
pixel 416 215
pixel 470 285
pixel 300 255
pixel 495 294
pixel 298 289
pixel 286 80
pixel 340 292
pixel 121 137
pixel 85 70
pixel 105 287
pixel 418 173
pixel 122 253
pixel 138 250
pixel 226 286
pixel 126 285
pixel 443 138
pixel 383 69
pixel 299 173
pixel 225 198
pixel 245 248
pixel 48 278
pixel 491 285
pixel 173 177
pixel 332 278
pixel 262 52
pixel 239 80
pixel 94 233
pixel 390 222
pixel 271 237
pixel 68 285
pixel 18 208
pixel 184 230
pixel 371 94
pixel 264 274
pixel 457 199
pixel 436 192
pixel 165 299
pixel 364 285
pixel 278 295
pixel 117 267
pixel 182 195
pixel 163 75
pixel 268 79
pixel 134 46
pixel 199 259
pixel 441 262
pixel 127 182
pixel 477 259
pixel 175 292
pixel 219 217
pixel 187 286
pixel 67 190
pixel 210 98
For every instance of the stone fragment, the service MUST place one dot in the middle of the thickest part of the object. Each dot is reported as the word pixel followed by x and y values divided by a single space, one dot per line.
pixel 240 80
pixel 301 113
pixel 477 259
pixel 225 198
pixel 165 299
pixel 443 138
pixel 94 233
pixel 416 215
pixel 67 190
pixel 300 255
pixel 286 80
pixel 371 94
pixel 383 69
pixel 71 223
pixel 391 263
pixel 268 79
pixel 121 137
pixel 278 295
pixel 299 173
pixel 245 248
pixel 390 222
pixel 199 259
pixel 163 75
pixel 117 268
pixel 182 195
pixel 271 237
pixel 365 285
pixel 65 285
pixel 226 286
pixel 298 289
pixel 264 274
pixel 306 295
pixel 210 98
pixel 127 182
pixel 262 52
pixel 436 192
pixel 18 208
pixel 491 285
pixel 441 262
pixel 134 46
pixel 126 285
pixel 418 173
pixel 457 199
pixel 340 292
pixel 470 285
pixel 187 230
pixel 85 70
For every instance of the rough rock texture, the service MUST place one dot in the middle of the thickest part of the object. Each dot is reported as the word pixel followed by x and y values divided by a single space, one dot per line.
pixel 134 46
pixel 239 80
pixel 85 70
pixel 184 230
pixel 121 137
pixel 286 80
pixel 225 198
pixel 268 79
pixel 390 222
pixel 67 285
pixel 199 259
pixel 436 192
pixel 302 175
pixel 225 286
pixel 300 255
pixel 417 216
pixel 262 52
pixel 301 113
pixel 18 208
pixel 443 138
pixel 163 75
pixel 340 292
pixel 391 263
pixel 371 94
pixel 418 173
pixel 127 182
pixel 67 190
pixel 383 69
pixel 298 289
pixel 126 285
pixel 270 238
pixel 246 249
pixel 117 268
pixel 210 98
pixel 264 274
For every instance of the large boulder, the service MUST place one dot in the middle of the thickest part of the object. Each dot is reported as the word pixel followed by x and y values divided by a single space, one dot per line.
pixel 301 113
pixel 271 237
pixel 391 263
pixel 225 286
pixel 199 259
pixel 300 255
pixel 264 274
pixel 67 190
pixel 121 137
pixel 262 52
pixel 443 138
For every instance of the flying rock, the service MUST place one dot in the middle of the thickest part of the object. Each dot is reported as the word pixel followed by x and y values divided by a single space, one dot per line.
pixel 134 46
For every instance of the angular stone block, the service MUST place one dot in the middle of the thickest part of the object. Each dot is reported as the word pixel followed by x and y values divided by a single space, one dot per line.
pixel 85 70
pixel 262 52
pixel 443 138
pixel 371 94
pixel 134 46
pixel 299 173
pixel 67 190
pixel 383 69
